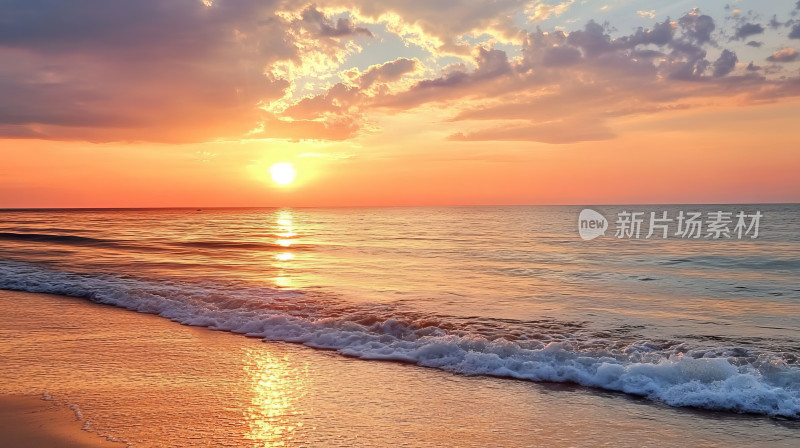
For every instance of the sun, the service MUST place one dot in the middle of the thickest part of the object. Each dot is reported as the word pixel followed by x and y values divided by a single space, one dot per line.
pixel 282 173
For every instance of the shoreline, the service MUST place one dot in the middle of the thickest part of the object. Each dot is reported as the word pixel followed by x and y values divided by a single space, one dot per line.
pixel 27 420
pixel 696 411
pixel 157 383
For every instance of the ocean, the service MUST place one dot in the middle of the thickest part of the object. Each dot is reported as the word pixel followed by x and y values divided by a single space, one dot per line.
pixel 511 293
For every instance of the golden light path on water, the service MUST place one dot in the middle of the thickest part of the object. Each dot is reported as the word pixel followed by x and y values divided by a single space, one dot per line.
pixel 285 236
pixel 277 387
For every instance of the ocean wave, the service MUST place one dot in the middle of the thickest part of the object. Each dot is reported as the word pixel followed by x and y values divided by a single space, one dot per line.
pixel 728 379
pixel 52 238
pixel 77 240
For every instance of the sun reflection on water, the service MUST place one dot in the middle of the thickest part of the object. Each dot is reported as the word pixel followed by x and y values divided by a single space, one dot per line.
pixel 285 225
pixel 285 233
pixel 285 256
pixel 277 386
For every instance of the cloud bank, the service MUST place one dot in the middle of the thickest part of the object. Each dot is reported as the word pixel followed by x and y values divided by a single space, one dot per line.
pixel 190 71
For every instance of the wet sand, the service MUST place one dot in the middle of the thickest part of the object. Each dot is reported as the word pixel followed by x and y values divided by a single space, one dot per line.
pixel 154 383
pixel 27 421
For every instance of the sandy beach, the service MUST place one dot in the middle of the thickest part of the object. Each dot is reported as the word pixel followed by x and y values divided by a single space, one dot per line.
pixel 27 421
pixel 154 383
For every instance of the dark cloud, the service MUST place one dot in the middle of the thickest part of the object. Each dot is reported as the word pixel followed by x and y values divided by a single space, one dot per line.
pixel 146 29
pixel 687 61
pixel 561 56
pixel 389 71
pixel 322 26
pixel 491 63
pixel 661 34
pixel 647 54
pixel 336 100
pixel 795 33
pixel 593 39
pixel 153 70
pixel 748 29
pixel 143 70
pixel 755 44
pixel 697 27
pixel 725 63
pixel 451 79
pixel 752 67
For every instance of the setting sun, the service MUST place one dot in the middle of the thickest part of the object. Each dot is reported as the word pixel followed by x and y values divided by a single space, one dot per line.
pixel 282 173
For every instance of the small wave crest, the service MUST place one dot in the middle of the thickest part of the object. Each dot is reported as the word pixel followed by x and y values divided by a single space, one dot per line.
pixel 77 240
pixel 51 238
pixel 731 379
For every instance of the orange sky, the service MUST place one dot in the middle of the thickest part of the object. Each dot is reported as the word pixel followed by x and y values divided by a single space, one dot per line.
pixel 394 105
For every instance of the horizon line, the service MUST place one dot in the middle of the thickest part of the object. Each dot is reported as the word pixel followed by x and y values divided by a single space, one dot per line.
pixel 201 208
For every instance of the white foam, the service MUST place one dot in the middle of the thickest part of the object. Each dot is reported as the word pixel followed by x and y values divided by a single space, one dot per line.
pixel 677 379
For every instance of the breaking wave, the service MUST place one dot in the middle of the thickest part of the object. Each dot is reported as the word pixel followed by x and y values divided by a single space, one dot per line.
pixel 728 378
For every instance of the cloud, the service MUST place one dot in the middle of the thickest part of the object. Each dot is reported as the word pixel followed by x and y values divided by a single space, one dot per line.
pixel 540 11
pixel 322 26
pixel 755 44
pixel 389 71
pixel 748 29
pixel 336 114
pixel 589 76
pixel 491 63
pixel 439 26
pixel 182 71
pixel 593 39
pixel 785 54
pixel 147 70
pixel 558 132
pixel 795 33
pixel 725 63
pixel 647 14
pixel 561 56
pixel 774 23
pixel 297 130
pixel 144 70
pixel 697 27
pixel 661 34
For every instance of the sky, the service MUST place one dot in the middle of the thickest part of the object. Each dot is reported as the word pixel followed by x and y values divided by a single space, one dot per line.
pixel 188 103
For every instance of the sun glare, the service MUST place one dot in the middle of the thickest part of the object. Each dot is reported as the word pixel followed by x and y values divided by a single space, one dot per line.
pixel 282 173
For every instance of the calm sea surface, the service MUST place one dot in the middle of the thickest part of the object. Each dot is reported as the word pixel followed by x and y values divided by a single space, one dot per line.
pixel 509 292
